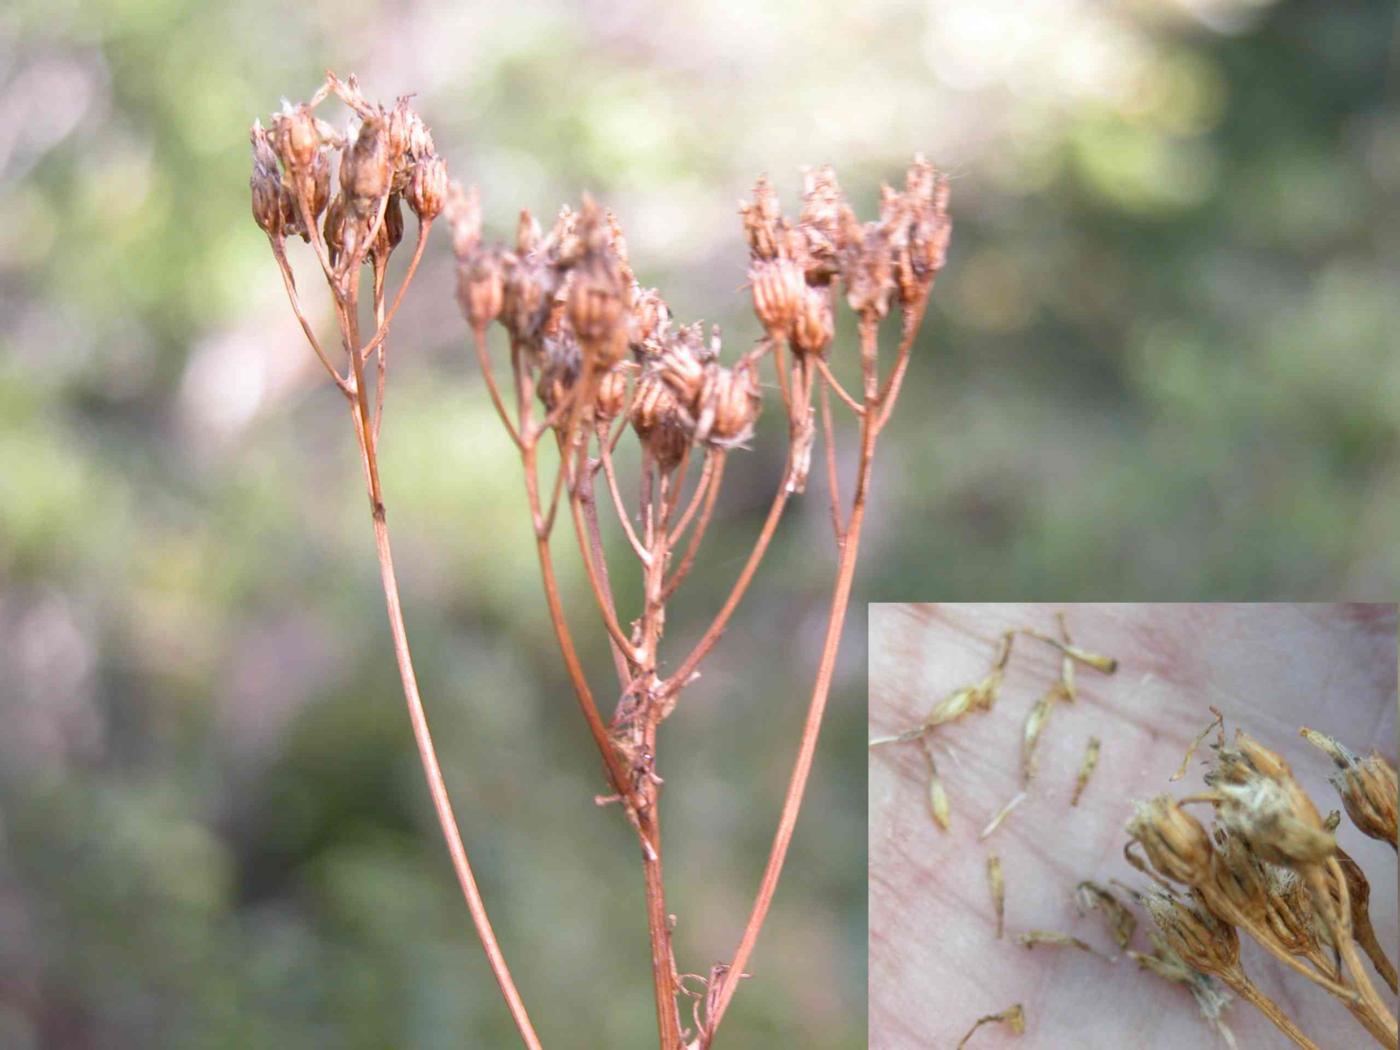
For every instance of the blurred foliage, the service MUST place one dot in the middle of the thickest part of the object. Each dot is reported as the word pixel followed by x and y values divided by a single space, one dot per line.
pixel 1161 365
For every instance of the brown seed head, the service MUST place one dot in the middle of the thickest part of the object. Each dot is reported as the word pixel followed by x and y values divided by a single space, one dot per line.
pixel 1175 842
pixel 390 230
pixel 1367 786
pixel 650 318
pixel 333 228
pixel 868 271
pixel 1194 933
pixel 778 289
pixel 481 287
pixel 463 210
pixel 265 183
pixel 611 397
pixel 813 326
pixel 730 403
pixel 820 223
pixel 427 188
pixel 763 220
pixel 365 170
pixel 1263 804
pixel 297 137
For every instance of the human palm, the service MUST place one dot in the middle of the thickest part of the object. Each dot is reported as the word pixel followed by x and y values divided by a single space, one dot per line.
pixel 935 964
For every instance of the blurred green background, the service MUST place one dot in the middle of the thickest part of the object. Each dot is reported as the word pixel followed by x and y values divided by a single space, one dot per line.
pixel 1162 364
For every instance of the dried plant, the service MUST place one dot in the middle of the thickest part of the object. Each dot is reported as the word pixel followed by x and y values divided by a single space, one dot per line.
pixel 343 193
pixel 1271 869
pixel 1014 1017
pixel 605 362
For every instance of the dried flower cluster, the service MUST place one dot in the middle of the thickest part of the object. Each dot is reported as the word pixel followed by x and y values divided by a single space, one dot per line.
pixel 1269 868
pixel 593 357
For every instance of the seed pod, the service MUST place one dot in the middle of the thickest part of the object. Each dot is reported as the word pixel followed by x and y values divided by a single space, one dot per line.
pixel 427 188
pixel 1263 804
pixel 1175 842
pixel 265 184
pixel 463 208
pixel 762 220
pixel 480 288
pixel 333 228
pixel 867 270
pixel 681 369
pixel 1190 930
pixel 390 230
pixel 611 397
pixel 732 407
pixel 820 223
pixel 1367 786
pixel 297 138
pixel 813 326
pixel 778 287
pixel 365 170
pixel 649 319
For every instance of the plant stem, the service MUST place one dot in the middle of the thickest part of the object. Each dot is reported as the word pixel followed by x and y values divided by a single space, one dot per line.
pixel 849 545
pixel 438 788
pixel 1244 988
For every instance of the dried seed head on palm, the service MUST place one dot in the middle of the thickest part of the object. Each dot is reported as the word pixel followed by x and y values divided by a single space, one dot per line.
pixel 1177 845
pixel 1367 786
pixel 1260 801
pixel 1196 935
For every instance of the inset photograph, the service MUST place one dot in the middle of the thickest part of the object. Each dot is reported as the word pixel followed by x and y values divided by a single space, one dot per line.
pixel 1149 825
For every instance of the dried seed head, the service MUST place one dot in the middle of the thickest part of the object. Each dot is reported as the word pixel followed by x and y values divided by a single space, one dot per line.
pixel 682 367
pixel 1238 876
pixel 820 223
pixel 390 230
pixel 729 406
pixel 1175 842
pixel 365 169
pixel 598 293
pixel 1367 786
pixel 333 229
pixel 657 419
pixel 559 370
pixel 1263 804
pixel 925 244
pixel 265 183
pixel 778 290
pixel 463 209
pixel 649 320
pixel 297 136
pixel 867 270
pixel 813 325
pixel 1195 934
pixel 426 192
pixel 527 233
pixel 763 220
pixel 481 287
pixel 525 299
pixel 611 396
